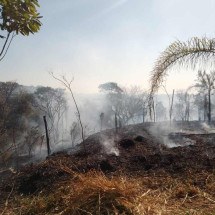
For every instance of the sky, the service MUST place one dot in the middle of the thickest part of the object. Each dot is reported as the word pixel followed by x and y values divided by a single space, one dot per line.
pixel 98 41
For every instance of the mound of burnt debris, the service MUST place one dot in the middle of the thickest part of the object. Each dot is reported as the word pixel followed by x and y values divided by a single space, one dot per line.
pixel 134 150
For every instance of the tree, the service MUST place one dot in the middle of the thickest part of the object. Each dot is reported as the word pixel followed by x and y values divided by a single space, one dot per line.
pixel 114 97
pixel 206 82
pixel 68 85
pixel 52 103
pixel 110 87
pixel 133 104
pixel 17 115
pixel 160 111
pixel 171 100
pixel 32 138
pixel 191 53
pixel 17 17
pixel 201 104
pixel 183 105
pixel 127 104
pixel 7 90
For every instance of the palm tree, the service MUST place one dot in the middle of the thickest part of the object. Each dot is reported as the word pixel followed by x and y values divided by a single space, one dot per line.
pixel 194 52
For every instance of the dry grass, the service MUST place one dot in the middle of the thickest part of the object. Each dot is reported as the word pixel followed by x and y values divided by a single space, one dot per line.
pixel 90 193
pixel 94 193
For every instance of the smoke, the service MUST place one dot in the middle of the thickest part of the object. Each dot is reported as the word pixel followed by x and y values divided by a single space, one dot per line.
pixel 40 152
pixel 109 145
pixel 207 128
pixel 170 135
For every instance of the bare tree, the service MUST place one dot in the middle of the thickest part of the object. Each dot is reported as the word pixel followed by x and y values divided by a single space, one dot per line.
pixel 171 100
pixel 160 111
pixel 68 85
pixel 206 82
pixel 133 103
pixel 184 105
pixel 201 104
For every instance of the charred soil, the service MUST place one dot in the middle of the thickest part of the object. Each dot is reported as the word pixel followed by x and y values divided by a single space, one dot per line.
pixel 162 180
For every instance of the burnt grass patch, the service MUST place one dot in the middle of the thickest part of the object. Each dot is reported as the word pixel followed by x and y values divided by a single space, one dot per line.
pixel 185 173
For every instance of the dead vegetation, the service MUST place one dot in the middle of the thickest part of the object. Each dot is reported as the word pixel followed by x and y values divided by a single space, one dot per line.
pixel 142 180
pixel 90 193
pixel 96 193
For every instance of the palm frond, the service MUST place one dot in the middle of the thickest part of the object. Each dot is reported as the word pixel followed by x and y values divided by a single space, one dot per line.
pixel 190 54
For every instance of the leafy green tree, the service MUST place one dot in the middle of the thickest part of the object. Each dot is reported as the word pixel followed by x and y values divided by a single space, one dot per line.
pixel 17 17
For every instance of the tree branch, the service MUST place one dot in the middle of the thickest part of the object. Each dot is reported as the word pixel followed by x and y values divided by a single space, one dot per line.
pixel 67 84
pixel 5 43
pixel 7 47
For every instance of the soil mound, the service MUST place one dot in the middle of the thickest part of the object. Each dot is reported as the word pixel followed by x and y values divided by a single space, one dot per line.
pixel 132 158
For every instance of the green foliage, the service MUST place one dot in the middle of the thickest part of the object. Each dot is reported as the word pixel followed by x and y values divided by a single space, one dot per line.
pixel 20 16
pixel 17 17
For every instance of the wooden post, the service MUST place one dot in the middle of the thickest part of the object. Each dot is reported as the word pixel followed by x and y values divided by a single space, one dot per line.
pixel 116 126
pixel 153 108
pixel 47 136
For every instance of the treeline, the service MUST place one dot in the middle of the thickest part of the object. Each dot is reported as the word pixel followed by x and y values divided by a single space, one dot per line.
pixel 22 109
pixel 21 117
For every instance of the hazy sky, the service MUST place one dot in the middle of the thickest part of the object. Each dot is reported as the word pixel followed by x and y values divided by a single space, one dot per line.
pixel 97 41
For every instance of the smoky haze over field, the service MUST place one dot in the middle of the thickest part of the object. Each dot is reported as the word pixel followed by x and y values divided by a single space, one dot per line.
pixel 110 47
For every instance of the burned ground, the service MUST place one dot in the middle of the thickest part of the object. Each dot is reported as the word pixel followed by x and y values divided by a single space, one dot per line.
pixel 136 153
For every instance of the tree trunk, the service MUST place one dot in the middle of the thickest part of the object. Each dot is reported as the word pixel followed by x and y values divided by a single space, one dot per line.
pixel 143 114
pixel 205 108
pixel 171 106
pixel 153 109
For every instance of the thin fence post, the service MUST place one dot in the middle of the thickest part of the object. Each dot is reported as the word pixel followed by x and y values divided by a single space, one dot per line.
pixel 116 124
pixel 47 136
